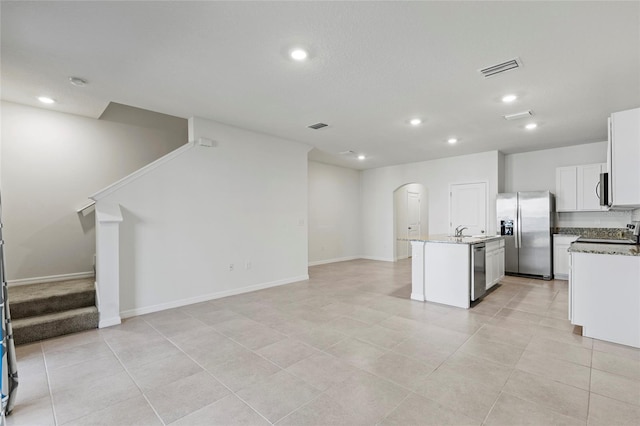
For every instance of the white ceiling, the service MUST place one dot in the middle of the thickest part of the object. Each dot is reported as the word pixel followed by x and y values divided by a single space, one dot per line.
pixel 372 67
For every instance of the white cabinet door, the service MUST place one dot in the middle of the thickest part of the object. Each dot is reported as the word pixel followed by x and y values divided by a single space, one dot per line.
pixel 566 184
pixel 561 260
pixel 500 262
pixel 588 187
pixel 489 266
pixel 625 158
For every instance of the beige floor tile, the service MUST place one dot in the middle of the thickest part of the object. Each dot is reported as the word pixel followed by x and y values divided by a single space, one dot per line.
pixel 460 392
pixel 210 355
pixel 520 315
pixel 502 335
pixel 380 336
pixel 257 337
pixel 489 373
pixel 292 393
pixel 355 352
pixel 401 370
pixel 564 336
pixel 416 410
pixel 30 358
pixel 287 352
pixel 132 331
pixel 63 357
pixel 346 325
pixel 180 397
pixel 370 316
pixel 500 353
pixel 617 364
pixel 616 387
pixel 32 387
pixel 605 411
pixel 372 398
pixel 560 350
pixel 132 412
pixel 185 325
pixel 136 354
pixel 558 397
pixel 83 373
pixel 425 351
pixel 322 370
pixel 555 369
pixel 616 349
pixel 401 324
pixel 322 411
pixel 32 412
pixel 159 373
pixel 243 371
pixel 320 338
pixel 229 411
pixel 560 324
pixel 510 410
pixel 218 316
pixel 71 340
pixel 75 402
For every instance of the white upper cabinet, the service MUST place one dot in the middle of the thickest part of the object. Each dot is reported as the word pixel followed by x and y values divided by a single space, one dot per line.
pixel 624 157
pixel 578 188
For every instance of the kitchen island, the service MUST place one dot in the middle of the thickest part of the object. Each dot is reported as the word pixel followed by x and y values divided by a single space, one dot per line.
pixel 442 268
pixel 604 291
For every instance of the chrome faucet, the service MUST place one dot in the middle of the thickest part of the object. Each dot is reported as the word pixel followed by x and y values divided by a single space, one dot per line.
pixel 459 230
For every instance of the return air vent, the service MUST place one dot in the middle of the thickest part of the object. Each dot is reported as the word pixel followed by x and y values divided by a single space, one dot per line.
pixel 519 115
pixel 317 126
pixel 349 152
pixel 500 68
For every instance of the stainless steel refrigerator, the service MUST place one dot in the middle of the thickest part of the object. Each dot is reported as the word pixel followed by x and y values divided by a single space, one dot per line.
pixel 526 220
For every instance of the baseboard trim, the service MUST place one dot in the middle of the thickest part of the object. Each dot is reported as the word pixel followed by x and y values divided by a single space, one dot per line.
pixel 108 322
pixel 381 259
pixel 334 260
pixel 211 296
pixel 51 278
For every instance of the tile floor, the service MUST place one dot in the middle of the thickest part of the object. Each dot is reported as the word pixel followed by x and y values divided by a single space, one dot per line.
pixel 345 347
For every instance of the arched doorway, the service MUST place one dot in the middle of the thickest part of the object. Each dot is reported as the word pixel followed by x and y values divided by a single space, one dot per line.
pixel 410 216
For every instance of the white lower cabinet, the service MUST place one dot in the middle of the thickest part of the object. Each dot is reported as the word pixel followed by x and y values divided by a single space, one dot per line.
pixel 561 243
pixel 604 297
pixel 494 262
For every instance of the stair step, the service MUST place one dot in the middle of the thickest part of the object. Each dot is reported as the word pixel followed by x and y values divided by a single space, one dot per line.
pixel 41 299
pixel 32 329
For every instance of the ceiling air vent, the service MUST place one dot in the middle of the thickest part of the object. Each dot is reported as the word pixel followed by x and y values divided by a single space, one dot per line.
pixel 499 68
pixel 519 115
pixel 317 126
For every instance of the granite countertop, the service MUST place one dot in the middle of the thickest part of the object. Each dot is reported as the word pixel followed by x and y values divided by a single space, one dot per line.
pixel 454 240
pixel 614 249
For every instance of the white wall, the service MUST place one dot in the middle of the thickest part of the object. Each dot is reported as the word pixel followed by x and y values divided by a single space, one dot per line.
pixel 334 213
pixel 379 184
pixel 187 220
pixel 51 162
pixel 532 171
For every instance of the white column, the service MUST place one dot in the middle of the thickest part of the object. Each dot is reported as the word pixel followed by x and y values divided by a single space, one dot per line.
pixel 417 270
pixel 108 218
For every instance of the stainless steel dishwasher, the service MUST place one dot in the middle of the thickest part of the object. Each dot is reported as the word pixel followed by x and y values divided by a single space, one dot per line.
pixel 478 274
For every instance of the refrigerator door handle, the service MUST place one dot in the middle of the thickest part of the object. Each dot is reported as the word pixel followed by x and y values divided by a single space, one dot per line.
pixel 518 236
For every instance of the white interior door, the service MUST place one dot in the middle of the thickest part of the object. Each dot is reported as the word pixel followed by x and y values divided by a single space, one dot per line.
pixel 413 217
pixel 468 208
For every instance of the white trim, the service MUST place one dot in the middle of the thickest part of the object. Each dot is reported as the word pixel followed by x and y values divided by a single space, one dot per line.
pixel 334 260
pixel 51 278
pixel 102 323
pixel 382 259
pixel 191 300
pixel 142 171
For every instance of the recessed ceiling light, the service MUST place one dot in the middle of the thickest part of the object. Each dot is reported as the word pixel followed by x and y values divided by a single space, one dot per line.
pixel 415 121
pixel 452 140
pixel 531 126
pixel 509 98
pixel 46 100
pixel 77 81
pixel 299 54
pixel 361 157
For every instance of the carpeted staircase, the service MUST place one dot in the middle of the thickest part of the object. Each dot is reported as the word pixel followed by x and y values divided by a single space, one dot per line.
pixel 42 311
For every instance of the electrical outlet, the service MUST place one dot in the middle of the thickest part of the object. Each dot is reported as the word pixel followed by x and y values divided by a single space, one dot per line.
pixel 231 267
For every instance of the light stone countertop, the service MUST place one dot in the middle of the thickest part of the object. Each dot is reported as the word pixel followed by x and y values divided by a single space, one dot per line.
pixel 612 249
pixel 453 240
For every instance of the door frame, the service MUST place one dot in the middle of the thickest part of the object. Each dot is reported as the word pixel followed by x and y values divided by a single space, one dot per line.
pixel 486 203
pixel 424 215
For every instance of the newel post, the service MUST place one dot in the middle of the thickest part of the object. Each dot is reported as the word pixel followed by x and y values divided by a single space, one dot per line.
pixel 108 218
